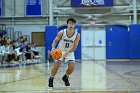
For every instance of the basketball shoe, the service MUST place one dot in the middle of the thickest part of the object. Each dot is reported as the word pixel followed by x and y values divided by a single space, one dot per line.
pixel 65 78
pixel 51 81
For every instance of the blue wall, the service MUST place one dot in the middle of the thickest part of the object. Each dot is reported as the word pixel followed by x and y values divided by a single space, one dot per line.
pixel 117 42
pixel 134 39
pixel 50 34
pixel 121 43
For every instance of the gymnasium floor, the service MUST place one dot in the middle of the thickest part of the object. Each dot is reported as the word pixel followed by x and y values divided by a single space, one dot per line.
pixel 88 76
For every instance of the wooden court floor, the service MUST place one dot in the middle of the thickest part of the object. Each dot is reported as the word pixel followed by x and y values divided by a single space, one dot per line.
pixel 88 77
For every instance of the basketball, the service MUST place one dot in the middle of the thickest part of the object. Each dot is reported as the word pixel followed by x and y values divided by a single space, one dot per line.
pixel 56 54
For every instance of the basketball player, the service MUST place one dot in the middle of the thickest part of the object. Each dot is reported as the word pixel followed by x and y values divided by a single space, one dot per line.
pixel 69 39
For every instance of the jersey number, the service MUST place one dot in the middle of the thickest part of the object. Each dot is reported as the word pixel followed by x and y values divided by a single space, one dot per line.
pixel 67 45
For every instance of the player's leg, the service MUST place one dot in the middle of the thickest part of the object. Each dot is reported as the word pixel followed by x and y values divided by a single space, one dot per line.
pixel 69 71
pixel 71 64
pixel 70 68
pixel 54 70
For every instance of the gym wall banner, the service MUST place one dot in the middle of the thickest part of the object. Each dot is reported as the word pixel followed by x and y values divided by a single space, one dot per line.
pixel 91 3
pixel 0 7
pixel 33 7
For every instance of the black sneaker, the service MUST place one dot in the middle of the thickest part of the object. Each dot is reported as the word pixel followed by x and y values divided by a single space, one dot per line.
pixel 50 82
pixel 65 78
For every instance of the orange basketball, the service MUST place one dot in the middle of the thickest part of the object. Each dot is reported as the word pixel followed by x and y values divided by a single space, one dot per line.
pixel 56 54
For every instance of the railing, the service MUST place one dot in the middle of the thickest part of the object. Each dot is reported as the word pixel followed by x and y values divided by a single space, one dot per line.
pixel 10 32
pixel 3 31
pixel 26 37
pixel 17 35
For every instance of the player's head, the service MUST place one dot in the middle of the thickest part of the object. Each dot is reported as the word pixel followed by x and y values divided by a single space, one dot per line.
pixel 72 20
pixel 71 23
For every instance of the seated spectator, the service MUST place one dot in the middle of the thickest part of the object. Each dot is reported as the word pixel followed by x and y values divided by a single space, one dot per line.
pixel 19 54
pixel 6 51
pixel 11 57
pixel 35 51
pixel 17 43
pixel 1 54
pixel 9 52
pixel 29 54
pixel 23 49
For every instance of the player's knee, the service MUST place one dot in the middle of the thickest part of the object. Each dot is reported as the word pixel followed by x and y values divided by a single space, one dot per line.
pixel 71 70
pixel 57 65
pixel 55 69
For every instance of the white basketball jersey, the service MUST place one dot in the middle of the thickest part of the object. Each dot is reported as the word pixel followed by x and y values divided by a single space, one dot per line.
pixel 67 42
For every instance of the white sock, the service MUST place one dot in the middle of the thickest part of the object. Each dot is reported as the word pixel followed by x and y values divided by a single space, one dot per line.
pixel 67 75
pixel 52 76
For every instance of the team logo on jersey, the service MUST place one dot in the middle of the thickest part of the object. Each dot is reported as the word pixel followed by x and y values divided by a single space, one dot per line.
pixel 69 41
pixel 92 2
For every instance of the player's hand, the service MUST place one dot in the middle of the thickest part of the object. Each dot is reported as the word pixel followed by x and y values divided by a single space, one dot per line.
pixel 65 54
pixel 52 49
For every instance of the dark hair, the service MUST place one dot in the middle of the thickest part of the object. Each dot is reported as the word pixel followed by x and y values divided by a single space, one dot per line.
pixel 72 20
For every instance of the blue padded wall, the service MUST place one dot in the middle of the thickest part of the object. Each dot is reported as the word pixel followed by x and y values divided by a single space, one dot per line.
pixel 62 27
pixel 134 46
pixel 117 42
pixel 50 34
pixel 78 50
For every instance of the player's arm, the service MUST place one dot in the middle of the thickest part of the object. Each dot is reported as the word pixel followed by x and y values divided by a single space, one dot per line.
pixel 75 44
pixel 57 38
